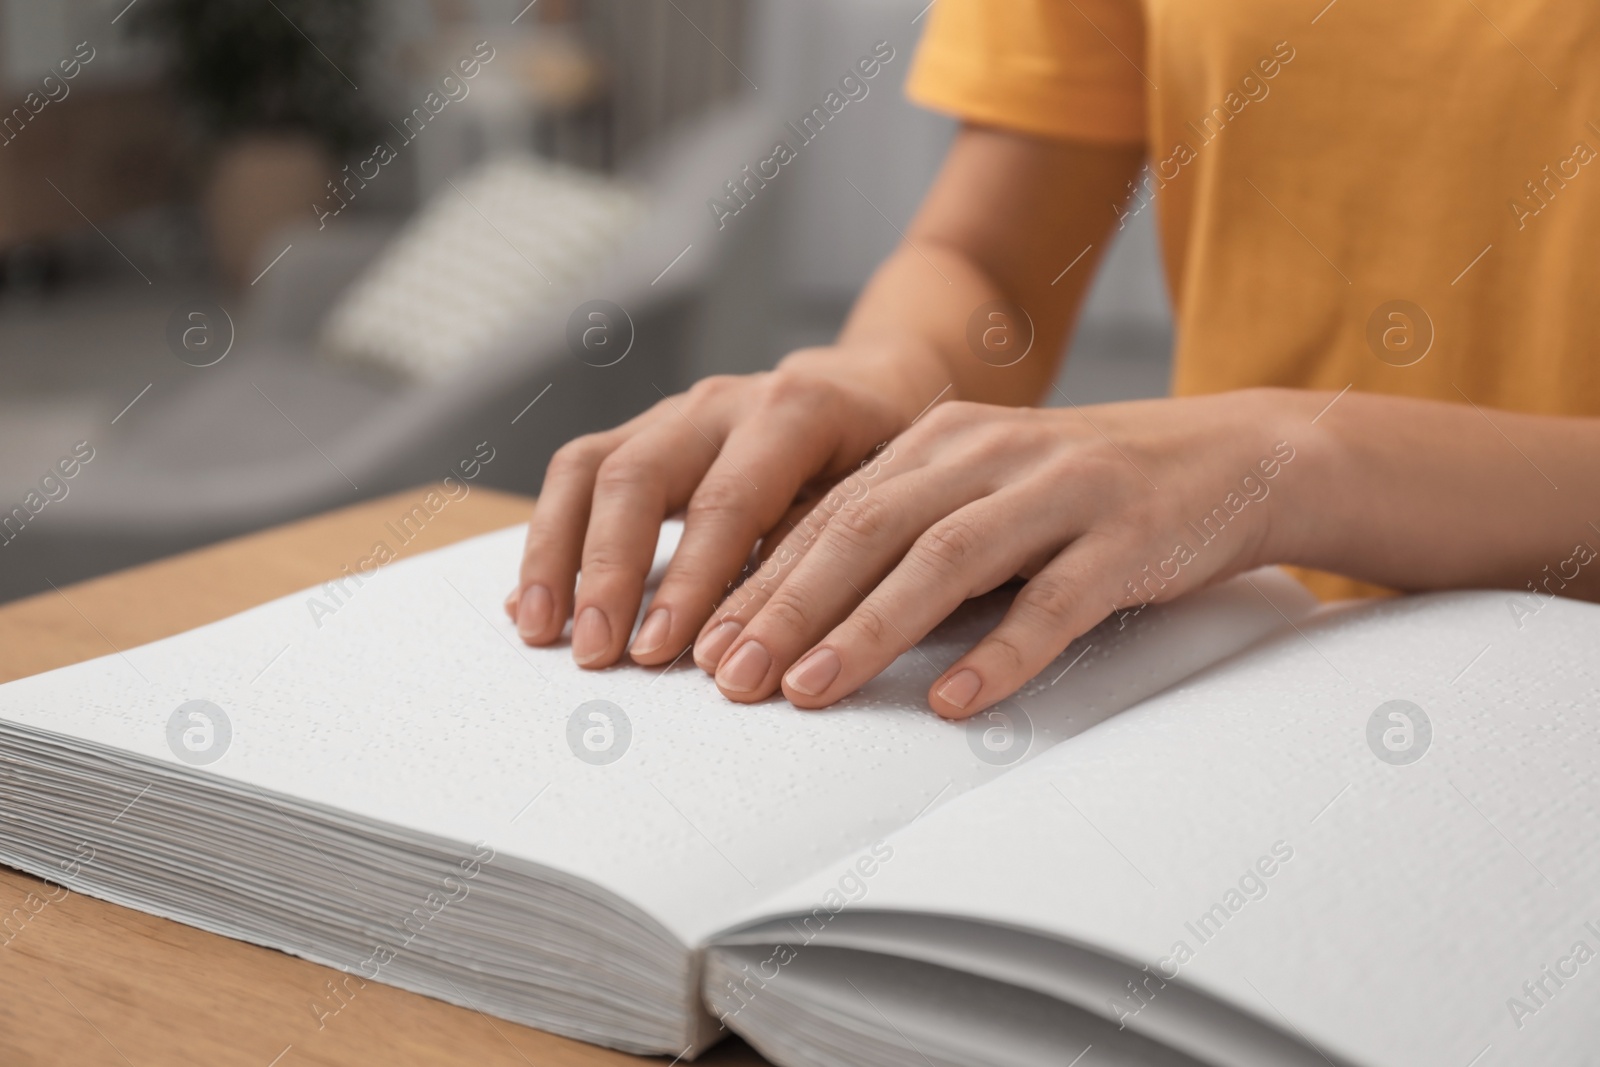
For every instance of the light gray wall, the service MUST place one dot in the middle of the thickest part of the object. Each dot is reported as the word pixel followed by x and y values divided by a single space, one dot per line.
pixel 832 237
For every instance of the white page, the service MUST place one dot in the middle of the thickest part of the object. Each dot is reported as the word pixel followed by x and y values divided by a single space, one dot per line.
pixel 1419 898
pixel 414 704
pixel 889 1012
pixel 1063 973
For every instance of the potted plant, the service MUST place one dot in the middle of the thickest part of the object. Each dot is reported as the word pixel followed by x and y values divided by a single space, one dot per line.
pixel 274 85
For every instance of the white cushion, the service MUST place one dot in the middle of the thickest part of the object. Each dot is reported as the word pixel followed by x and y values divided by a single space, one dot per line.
pixel 509 239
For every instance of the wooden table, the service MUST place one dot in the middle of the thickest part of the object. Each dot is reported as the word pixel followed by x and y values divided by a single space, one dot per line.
pixel 87 983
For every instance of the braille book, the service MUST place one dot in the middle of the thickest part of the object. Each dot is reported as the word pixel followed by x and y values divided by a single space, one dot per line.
pixel 1236 829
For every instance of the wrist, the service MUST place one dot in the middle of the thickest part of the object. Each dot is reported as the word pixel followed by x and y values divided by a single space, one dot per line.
pixel 1310 481
pixel 897 373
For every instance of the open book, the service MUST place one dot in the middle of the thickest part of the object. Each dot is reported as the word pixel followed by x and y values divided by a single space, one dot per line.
pixel 1232 830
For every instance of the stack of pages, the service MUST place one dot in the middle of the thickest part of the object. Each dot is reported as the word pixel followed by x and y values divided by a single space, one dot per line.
pixel 1234 830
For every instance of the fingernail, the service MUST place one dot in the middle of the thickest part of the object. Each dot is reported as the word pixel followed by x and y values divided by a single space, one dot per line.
pixel 591 636
pixel 814 673
pixel 653 634
pixel 745 669
pixel 961 688
pixel 533 616
pixel 709 649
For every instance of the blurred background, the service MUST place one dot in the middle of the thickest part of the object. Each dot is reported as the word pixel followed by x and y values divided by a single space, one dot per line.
pixel 259 258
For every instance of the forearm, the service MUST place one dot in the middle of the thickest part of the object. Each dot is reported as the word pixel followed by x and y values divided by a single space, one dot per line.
pixel 1422 494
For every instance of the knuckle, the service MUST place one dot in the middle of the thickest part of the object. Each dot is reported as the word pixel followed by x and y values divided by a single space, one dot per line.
pixel 950 545
pixel 993 445
pixel 620 473
pixel 576 457
pixel 543 531
pixel 791 386
pixel 717 498
pixel 715 386
pixel 951 415
pixel 1049 596
pixel 604 562
pixel 873 626
pixel 785 609
pixel 1003 647
pixel 862 522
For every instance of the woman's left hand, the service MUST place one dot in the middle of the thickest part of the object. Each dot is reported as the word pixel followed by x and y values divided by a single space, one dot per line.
pixel 1097 508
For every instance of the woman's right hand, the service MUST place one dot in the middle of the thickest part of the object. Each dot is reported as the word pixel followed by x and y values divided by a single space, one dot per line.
pixel 738 454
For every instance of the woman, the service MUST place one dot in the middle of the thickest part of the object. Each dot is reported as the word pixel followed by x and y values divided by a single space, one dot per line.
pixel 1379 224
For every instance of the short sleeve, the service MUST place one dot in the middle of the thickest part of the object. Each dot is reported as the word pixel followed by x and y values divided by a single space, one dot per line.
pixel 1070 69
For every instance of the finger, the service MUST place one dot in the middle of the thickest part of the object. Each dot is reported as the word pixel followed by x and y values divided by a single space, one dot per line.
pixel 636 487
pixel 779 553
pixel 553 548
pixel 857 547
pixel 756 473
pixel 778 559
pixel 1058 605
pixel 964 555
pixel 542 601
pixel 800 527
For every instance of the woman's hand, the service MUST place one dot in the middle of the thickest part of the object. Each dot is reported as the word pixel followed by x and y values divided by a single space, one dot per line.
pixel 737 453
pixel 1098 508
pixel 745 456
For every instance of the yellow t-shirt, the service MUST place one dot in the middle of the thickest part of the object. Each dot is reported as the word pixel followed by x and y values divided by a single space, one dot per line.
pixel 1401 198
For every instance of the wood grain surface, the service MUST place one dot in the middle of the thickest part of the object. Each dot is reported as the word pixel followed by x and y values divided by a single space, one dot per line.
pixel 87 983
